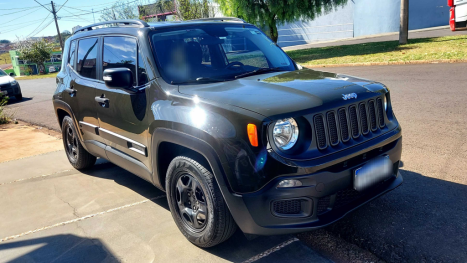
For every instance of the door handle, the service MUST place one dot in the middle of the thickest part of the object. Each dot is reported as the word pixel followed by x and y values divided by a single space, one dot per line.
pixel 71 91
pixel 102 100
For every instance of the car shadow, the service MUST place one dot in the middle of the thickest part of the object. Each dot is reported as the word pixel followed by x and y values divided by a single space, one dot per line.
pixel 57 248
pixel 13 100
pixel 424 220
pixel 237 249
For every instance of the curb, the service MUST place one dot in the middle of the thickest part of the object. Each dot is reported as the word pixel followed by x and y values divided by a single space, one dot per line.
pixel 388 63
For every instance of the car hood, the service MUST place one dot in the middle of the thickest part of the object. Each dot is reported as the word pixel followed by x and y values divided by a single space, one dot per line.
pixel 5 80
pixel 275 94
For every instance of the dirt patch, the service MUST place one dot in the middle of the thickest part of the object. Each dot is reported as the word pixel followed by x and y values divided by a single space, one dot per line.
pixel 24 140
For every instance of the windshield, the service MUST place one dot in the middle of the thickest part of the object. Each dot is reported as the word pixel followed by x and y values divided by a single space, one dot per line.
pixel 2 73
pixel 215 52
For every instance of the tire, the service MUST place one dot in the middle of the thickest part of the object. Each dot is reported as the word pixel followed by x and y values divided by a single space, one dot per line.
pixel 79 158
pixel 19 96
pixel 218 224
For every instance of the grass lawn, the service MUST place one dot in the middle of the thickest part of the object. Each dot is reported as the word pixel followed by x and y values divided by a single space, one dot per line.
pixel 430 49
pixel 5 57
pixel 51 75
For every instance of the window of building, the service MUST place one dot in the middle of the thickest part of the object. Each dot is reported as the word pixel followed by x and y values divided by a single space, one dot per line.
pixel 87 55
pixel 120 52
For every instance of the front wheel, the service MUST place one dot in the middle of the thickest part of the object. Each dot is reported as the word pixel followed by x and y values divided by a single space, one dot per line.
pixel 19 96
pixel 78 156
pixel 196 203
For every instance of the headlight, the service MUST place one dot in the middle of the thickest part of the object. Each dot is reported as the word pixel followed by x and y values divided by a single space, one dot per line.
pixel 285 133
pixel 14 82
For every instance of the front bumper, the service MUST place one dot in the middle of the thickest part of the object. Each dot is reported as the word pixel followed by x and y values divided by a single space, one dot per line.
pixel 10 90
pixel 325 197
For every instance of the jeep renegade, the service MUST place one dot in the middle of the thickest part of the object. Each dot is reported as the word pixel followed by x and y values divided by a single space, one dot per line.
pixel 236 133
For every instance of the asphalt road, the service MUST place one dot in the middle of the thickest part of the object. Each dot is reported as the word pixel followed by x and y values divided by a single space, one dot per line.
pixel 424 220
pixel 36 106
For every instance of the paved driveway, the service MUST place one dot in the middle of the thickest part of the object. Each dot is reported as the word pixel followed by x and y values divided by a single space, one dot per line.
pixel 51 212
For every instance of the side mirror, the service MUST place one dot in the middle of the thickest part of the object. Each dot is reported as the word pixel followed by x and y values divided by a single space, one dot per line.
pixel 12 74
pixel 118 78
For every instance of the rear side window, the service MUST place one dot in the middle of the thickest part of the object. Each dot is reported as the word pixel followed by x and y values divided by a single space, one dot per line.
pixel 71 55
pixel 120 52
pixel 87 54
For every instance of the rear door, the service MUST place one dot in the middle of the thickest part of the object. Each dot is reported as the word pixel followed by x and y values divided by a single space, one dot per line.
pixel 83 82
pixel 123 122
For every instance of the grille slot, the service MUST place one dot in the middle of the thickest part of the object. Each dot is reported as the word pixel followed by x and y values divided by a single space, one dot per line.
pixel 332 128
pixel 353 121
pixel 344 125
pixel 372 114
pixel 379 103
pixel 287 207
pixel 363 118
pixel 320 132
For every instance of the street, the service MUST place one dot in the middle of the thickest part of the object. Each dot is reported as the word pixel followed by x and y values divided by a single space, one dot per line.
pixel 421 221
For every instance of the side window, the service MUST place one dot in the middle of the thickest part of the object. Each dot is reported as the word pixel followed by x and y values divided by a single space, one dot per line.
pixel 71 55
pixel 87 54
pixel 120 52
pixel 142 75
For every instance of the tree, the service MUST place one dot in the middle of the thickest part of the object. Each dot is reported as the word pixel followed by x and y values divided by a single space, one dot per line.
pixel 65 35
pixel 5 41
pixel 35 51
pixel 120 10
pixel 194 9
pixel 271 13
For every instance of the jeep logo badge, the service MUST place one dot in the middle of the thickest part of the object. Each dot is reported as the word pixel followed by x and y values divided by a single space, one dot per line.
pixel 349 96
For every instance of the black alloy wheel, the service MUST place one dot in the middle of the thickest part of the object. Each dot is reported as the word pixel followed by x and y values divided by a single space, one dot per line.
pixel 78 156
pixel 196 203
pixel 191 202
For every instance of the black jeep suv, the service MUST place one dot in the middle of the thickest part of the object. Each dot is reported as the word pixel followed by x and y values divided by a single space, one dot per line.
pixel 236 133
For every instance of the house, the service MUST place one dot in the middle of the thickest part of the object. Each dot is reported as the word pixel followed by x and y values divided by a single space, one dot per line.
pixel 22 67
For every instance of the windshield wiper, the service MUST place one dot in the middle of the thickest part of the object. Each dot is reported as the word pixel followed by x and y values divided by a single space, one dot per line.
pixel 201 79
pixel 257 71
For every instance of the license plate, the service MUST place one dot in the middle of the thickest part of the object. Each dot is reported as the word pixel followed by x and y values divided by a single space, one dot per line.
pixel 4 92
pixel 372 173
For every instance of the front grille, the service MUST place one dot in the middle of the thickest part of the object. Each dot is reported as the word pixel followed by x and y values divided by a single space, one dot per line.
pixel 323 205
pixel 332 127
pixel 320 132
pixel 379 103
pixel 341 198
pixel 372 113
pixel 344 125
pixel 287 207
pixel 363 118
pixel 352 122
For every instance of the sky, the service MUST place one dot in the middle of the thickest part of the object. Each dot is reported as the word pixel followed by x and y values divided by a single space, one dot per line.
pixel 26 18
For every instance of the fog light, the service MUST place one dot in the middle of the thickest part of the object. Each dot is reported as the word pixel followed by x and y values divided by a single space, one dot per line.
pixel 289 183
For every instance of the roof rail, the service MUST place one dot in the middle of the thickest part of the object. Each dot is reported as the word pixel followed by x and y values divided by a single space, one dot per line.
pixel 126 22
pixel 221 19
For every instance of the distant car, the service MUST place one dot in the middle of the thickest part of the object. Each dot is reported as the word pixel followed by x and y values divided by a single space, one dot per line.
pixel 217 115
pixel 9 86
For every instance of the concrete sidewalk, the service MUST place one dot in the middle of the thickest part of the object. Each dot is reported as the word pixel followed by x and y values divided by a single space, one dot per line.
pixel 413 34
pixel 54 213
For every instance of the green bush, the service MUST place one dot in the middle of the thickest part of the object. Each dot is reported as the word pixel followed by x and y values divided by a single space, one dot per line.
pixel 4 118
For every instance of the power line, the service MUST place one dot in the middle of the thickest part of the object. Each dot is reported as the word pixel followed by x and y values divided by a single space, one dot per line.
pixel 43 6
pixel 76 15
pixel 39 25
pixel 103 8
pixel 51 21
pixel 62 6
pixel 21 7
pixel 20 17
pixel 20 11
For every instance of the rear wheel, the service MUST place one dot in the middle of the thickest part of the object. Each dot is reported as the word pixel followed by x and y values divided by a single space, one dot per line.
pixel 77 155
pixel 196 203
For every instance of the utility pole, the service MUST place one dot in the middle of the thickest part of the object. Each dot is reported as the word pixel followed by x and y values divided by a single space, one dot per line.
pixel 56 24
pixel 404 24
pixel 93 15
